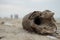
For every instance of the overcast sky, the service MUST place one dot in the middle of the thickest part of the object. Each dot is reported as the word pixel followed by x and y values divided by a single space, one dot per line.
pixel 23 7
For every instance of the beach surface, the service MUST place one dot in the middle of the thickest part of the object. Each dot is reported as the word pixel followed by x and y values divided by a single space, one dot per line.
pixel 11 29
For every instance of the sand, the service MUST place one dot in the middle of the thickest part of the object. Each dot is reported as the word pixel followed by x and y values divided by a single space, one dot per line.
pixel 12 30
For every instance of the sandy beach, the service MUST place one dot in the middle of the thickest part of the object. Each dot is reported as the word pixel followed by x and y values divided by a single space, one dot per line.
pixel 12 29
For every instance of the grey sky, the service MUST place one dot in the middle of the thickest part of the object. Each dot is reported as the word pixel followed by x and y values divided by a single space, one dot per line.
pixel 23 7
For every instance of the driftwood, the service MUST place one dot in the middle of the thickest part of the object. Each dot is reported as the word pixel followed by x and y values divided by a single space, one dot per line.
pixel 40 22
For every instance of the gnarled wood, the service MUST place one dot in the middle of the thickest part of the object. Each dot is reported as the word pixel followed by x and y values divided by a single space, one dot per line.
pixel 40 22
